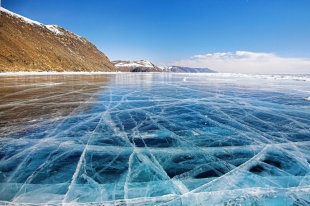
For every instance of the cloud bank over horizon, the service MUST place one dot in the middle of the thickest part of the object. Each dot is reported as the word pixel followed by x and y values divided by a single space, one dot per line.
pixel 248 62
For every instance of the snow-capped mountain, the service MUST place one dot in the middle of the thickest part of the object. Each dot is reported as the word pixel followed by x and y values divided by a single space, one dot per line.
pixel 180 69
pixel 147 66
pixel 28 45
pixel 135 66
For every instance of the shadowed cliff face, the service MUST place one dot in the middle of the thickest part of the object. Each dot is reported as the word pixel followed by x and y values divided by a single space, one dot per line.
pixel 31 46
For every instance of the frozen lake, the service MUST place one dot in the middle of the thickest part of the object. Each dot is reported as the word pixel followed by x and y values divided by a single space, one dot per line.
pixel 146 139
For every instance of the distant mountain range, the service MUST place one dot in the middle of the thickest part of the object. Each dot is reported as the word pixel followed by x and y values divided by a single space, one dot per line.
pixel 135 66
pixel 147 66
pixel 180 69
pixel 27 45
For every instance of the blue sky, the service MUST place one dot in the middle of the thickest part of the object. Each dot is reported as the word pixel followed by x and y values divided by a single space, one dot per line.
pixel 175 31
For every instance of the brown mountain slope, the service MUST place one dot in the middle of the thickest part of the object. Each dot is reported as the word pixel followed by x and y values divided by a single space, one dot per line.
pixel 26 45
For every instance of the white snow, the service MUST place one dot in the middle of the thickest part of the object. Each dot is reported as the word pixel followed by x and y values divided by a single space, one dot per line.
pixel 140 63
pixel 293 77
pixel 28 21
pixel 54 29
pixel 287 77
pixel 165 68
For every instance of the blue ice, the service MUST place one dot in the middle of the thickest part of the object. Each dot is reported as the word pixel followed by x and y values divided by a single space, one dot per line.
pixel 154 139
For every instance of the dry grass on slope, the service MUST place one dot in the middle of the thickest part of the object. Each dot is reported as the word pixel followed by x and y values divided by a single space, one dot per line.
pixel 33 47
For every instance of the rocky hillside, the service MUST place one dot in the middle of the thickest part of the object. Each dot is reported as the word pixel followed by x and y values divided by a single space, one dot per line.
pixel 135 66
pixel 28 45
pixel 179 69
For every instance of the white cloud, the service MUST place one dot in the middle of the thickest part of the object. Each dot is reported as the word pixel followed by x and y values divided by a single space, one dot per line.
pixel 248 62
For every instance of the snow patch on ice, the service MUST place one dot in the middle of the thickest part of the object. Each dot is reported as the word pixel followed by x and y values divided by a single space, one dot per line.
pixel 50 84
pixel 288 77
pixel 295 77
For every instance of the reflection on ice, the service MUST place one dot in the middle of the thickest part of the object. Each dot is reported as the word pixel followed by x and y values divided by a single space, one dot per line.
pixel 27 101
pixel 155 139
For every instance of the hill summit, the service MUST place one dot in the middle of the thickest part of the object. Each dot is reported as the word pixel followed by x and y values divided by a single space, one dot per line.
pixel 27 45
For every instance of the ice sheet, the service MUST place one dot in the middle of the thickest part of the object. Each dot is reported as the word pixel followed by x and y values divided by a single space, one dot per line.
pixel 154 139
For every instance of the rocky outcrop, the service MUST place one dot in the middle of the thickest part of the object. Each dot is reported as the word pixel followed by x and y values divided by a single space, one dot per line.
pixel 28 45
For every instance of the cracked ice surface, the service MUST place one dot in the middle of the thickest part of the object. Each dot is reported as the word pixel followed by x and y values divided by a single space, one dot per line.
pixel 146 139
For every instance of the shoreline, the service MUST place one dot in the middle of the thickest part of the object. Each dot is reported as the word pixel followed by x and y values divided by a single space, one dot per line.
pixel 54 73
pixel 296 77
